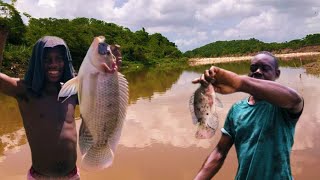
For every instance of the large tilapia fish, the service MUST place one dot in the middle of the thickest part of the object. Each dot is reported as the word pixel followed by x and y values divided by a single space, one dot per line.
pixel 103 100
pixel 202 105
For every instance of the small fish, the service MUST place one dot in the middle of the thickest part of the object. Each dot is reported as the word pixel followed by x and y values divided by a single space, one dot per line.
pixel 103 99
pixel 203 111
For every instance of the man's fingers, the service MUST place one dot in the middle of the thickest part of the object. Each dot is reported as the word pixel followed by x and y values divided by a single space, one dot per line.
pixel 213 70
pixel 117 53
pixel 203 81
pixel 209 76
pixel 217 89
pixel 116 50
pixel 115 68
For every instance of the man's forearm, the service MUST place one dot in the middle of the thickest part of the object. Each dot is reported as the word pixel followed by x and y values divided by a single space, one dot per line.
pixel 211 166
pixel 270 91
pixel 8 85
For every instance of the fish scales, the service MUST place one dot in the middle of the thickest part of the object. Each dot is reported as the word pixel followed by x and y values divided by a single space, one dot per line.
pixel 202 105
pixel 104 116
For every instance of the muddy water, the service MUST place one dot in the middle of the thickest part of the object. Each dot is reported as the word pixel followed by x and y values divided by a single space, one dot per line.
pixel 158 137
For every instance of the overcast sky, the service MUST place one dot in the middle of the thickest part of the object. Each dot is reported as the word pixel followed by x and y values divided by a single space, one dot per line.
pixel 193 23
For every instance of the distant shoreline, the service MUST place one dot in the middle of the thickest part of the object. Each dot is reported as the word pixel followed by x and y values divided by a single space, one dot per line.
pixel 204 61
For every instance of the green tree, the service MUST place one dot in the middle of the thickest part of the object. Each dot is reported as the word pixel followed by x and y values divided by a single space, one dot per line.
pixel 12 28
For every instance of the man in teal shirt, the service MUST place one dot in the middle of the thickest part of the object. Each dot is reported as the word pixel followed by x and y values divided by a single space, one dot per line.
pixel 261 126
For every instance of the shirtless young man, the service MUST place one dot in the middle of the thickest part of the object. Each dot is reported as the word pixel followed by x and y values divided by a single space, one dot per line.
pixel 49 124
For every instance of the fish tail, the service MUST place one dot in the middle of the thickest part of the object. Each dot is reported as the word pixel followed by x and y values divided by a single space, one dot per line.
pixel 98 157
pixel 204 132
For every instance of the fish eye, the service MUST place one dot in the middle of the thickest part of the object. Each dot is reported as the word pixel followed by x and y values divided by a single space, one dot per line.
pixel 103 48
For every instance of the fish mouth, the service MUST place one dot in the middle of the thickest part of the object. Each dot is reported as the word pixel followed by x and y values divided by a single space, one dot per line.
pixel 108 69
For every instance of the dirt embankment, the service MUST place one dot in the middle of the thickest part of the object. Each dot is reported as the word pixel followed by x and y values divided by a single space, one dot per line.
pixel 288 56
pixel 285 54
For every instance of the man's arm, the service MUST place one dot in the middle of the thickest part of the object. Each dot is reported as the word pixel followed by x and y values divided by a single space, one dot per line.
pixel 273 92
pixel 227 82
pixel 215 160
pixel 10 86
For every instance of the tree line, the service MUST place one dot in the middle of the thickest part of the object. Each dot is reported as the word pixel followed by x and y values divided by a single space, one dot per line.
pixel 242 47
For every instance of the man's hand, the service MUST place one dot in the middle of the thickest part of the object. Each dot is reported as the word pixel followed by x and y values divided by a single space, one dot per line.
pixel 117 53
pixel 224 82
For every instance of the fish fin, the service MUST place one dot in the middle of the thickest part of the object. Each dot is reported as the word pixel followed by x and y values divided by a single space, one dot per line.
pixel 98 157
pixel 80 84
pixel 218 102
pixel 85 138
pixel 192 110
pixel 213 121
pixel 68 89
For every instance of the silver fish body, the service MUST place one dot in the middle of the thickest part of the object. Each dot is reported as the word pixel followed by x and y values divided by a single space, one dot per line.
pixel 103 111
pixel 103 101
pixel 203 111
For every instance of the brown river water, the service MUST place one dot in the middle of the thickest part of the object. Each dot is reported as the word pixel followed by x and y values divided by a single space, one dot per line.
pixel 158 140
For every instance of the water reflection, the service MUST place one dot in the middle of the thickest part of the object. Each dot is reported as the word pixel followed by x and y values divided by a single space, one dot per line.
pixel 11 131
pixel 146 82
pixel 165 118
pixel 158 128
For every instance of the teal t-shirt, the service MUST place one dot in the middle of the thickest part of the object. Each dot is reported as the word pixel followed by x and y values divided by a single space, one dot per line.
pixel 263 136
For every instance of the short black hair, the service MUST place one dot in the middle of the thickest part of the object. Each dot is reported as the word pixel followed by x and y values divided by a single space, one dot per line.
pixel 276 61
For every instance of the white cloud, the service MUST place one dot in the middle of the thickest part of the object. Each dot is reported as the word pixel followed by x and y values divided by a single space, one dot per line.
pixel 49 3
pixel 223 9
pixel 193 23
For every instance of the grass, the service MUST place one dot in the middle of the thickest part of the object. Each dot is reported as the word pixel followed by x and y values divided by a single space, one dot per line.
pixel 313 68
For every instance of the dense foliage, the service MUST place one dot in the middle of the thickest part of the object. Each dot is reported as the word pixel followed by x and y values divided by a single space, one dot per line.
pixel 10 20
pixel 241 47
pixel 138 48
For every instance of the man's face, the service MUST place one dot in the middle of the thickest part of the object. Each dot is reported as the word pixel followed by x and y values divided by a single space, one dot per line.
pixel 54 64
pixel 263 67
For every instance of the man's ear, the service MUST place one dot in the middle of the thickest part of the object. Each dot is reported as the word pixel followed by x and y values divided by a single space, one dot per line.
pixel 278 72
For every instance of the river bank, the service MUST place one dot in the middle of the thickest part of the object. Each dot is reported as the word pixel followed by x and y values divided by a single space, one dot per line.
pixel 286 56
